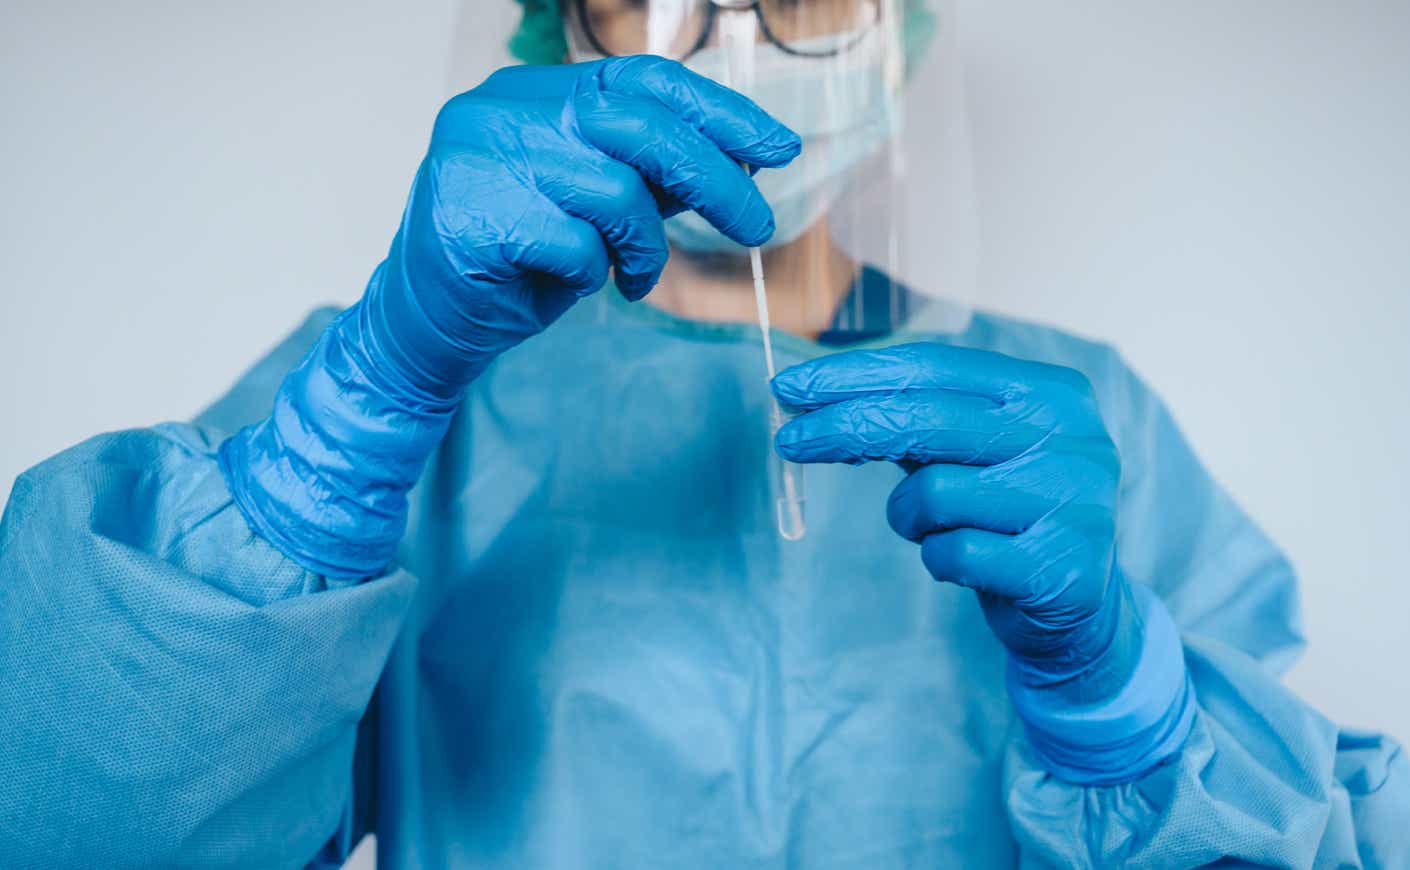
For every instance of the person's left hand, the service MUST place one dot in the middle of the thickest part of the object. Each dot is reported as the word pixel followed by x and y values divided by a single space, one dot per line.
pixel 1011 488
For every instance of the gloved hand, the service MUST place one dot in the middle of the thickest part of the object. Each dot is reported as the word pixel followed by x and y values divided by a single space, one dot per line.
pixel 542 177
pixel 535 183
pixel 1011 490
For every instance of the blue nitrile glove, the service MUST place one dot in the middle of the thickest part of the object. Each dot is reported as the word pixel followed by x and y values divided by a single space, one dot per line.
pixel 1011 491
pixel 534 183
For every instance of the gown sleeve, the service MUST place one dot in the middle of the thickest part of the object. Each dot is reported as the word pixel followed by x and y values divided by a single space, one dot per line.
pixel 173 690
pixel 1263 779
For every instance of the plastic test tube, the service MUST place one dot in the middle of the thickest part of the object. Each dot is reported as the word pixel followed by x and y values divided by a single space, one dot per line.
pixel 738 34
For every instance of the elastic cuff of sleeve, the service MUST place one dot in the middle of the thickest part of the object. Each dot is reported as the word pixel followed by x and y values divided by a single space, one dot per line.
pixel 325 478
pixel 1124 737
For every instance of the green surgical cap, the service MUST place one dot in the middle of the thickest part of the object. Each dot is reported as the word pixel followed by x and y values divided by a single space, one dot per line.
pixel 540 40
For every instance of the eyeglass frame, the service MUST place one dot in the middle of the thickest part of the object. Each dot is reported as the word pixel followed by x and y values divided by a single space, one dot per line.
pixel 712 9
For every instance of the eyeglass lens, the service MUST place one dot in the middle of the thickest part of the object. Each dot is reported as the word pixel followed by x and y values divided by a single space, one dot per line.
pixel 679 28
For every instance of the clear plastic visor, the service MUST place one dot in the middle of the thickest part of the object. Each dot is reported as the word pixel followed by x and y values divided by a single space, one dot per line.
pixel 832 70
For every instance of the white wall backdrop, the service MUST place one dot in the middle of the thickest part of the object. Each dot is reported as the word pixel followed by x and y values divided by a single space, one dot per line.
pixel 181 182
pixel 1220 189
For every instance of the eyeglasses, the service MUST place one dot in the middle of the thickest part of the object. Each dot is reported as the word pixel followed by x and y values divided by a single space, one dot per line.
pixel 680 28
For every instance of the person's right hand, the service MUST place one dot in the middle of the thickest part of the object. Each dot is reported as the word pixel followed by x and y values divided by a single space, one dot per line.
pixel 535 183
pixel 538 180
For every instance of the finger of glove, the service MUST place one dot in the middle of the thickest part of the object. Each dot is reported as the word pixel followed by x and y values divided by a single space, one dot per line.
pixel 681 161
pixel 568 250
pixel 615 199
pixel 981 560
pixel 924 427
pixel 735 123
pixel 920 365
pixel 666 204
pixel 938 498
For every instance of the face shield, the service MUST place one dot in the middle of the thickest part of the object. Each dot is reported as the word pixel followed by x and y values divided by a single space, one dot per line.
pixel 836 72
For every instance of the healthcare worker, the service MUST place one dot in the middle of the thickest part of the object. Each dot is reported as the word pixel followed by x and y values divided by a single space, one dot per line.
pixel 487 563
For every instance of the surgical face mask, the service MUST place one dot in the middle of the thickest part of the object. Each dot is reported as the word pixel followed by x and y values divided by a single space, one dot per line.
pixel 842 108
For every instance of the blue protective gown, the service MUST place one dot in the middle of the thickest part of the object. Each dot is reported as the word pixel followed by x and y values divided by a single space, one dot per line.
pixel 595 651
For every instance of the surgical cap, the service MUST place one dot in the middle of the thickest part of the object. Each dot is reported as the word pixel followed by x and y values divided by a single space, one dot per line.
pixel 539 37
